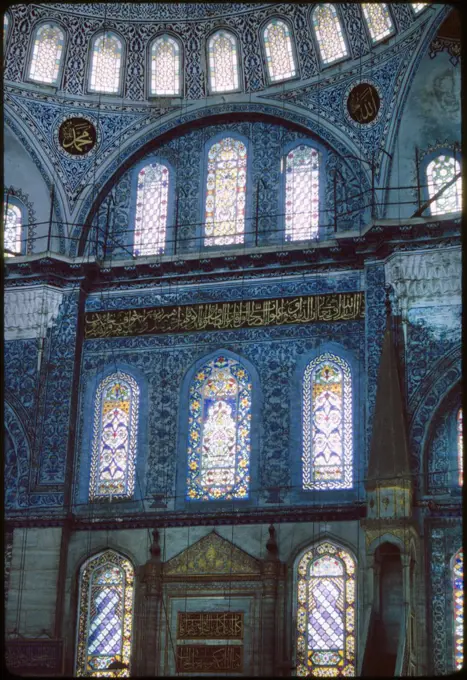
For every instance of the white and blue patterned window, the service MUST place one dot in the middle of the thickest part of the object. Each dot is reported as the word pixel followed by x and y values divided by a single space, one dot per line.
pixel 106 63
pixel 165 67
pixel 6 26
pixel 301 193
pixel 457 576
pixel 13 229
pixel 46 55
pixel 280 59
pixel 440 171
pixel 419 6
pixel 378 20
pixel 223 62
pixel 114 443
pixel 152 207
pixel 327 455
pixel 105 615
pixel 329 34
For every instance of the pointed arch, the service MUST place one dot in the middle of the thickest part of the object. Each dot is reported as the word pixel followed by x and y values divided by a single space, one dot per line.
pixel 106 63
pixel 280 59
pixel 166 72
pixel 48 41
pixel 301 193
pixel 152 208
pixel 329 34
pixel 223 62
pixel 439 172
pixel 457 576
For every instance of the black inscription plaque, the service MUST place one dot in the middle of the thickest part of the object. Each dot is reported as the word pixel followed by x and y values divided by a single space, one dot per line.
pixel 363 103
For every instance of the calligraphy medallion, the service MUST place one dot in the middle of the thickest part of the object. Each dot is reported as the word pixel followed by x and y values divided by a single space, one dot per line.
pixel 363 103
pixel 77 136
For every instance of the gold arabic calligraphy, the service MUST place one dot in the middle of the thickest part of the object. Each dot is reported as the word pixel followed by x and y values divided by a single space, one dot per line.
pixel 210 626
pixel 75 135
pixel 209 658
pixel 363 103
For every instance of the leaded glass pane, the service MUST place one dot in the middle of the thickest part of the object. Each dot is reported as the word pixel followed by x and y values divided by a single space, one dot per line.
pixel 151 210
pixel 46 54
pixel 326 592
pixel 219 432
pixel 165 66
pixel 114 438
pixel 301 194
pixel 225 193
pixel 327 424
pixel 439 172
pixel 106 57
pixel 418 6
pixel 460 448
pixel 378 20
pixel 12 228
pixel 329 34
pixel 105 616
pixel 223 62
pixel 279 54
pixel 458 600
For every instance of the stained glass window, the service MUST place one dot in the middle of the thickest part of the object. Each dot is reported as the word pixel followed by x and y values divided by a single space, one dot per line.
pixel 219 432
pixel 165 66
pixel 458 601
pixel 329 34
pixel 301 193
pixel 114 438
pixel 12 221
pixel 106 59
pixel 105 615
pixel 279 54
pixel 225 193
pixel 326 595
pixel 151 209
pixel 327 424
pixel 439 172
pixel 223 62
pixel 418 6
pixel 6 22
pixel 378 20
pixel 460 448
pixel 46 54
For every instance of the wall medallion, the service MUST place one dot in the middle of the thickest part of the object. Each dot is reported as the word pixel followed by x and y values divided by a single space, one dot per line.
pixel 363 103
pixel 77 136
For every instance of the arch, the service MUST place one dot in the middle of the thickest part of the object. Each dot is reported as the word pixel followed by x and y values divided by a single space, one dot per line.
pixel 105 614
pixel 329 34
pixel 441 454
pixel 17 458
pixel 457 579
pixel 279 50
pixel 165 74
pixel 302 192
pixel 439 171
pixel 378 20
pixel 106 63
pixel 223 62
pixel 46 53
pixel 153 195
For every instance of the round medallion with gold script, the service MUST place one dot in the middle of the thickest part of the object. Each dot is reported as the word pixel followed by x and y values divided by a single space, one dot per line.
pixel 77 136
pixel 363 103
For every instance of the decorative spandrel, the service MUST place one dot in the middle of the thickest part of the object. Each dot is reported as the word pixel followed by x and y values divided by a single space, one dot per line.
pixel 328 30
pixel 223 62
pixel 106 57
pixel 327 424
pixel 279 53
pixel 219 432
pixel 114 438
pixel 12 221
pixel 301 193
pixel 326 593
pixel 46 54
pixel 210 625
pixel 378 20
pixel 440 172
pixel 226 193
pixel 152 199
pixel 165 67
pixel 105 616
pixel 458 604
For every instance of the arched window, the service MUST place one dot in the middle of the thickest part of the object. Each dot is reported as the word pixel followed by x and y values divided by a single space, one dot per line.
pixel 105 615
pixel 151 209
pixel 6 23
pixel 439 172
pixel 225 193
pixel 223 62
pixel 106 60
pixel 329 34
pixel 279 53
pixel 327 424
pixel 13 225
pixel 460 448
pixel 219 432
pixel 46 54
pixel 114 438
pixel 165 66
pixel 418 6
pixel 458 602
pixel 301 193
pixel 326 596
pixel 378 20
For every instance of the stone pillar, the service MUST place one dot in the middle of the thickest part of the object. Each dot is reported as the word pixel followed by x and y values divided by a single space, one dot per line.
pixel 270 571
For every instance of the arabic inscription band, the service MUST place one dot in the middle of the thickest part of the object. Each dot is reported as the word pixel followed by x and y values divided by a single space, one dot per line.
pixel 363 103
pixel 77 136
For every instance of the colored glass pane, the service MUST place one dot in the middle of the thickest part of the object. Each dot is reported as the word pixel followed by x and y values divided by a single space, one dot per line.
pixel 329 34
pixel 106 58
pixel 223 62
pixel 219 432
pixel 458 601
pixel 460 448
pixel 418 6
pixel 12 228
pixel 327 424
pixel 378 20
pixel 326 593
pixel 151 210
pixel 225 193
pixel 6 22
pixel 301 194
pixel 440 171
pixel 279 54
pixel 165 66
pixel 46 54
pixel 105 615
pixel 114 438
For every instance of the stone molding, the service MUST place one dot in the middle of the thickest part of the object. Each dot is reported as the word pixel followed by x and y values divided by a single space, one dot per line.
pixel 30 311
